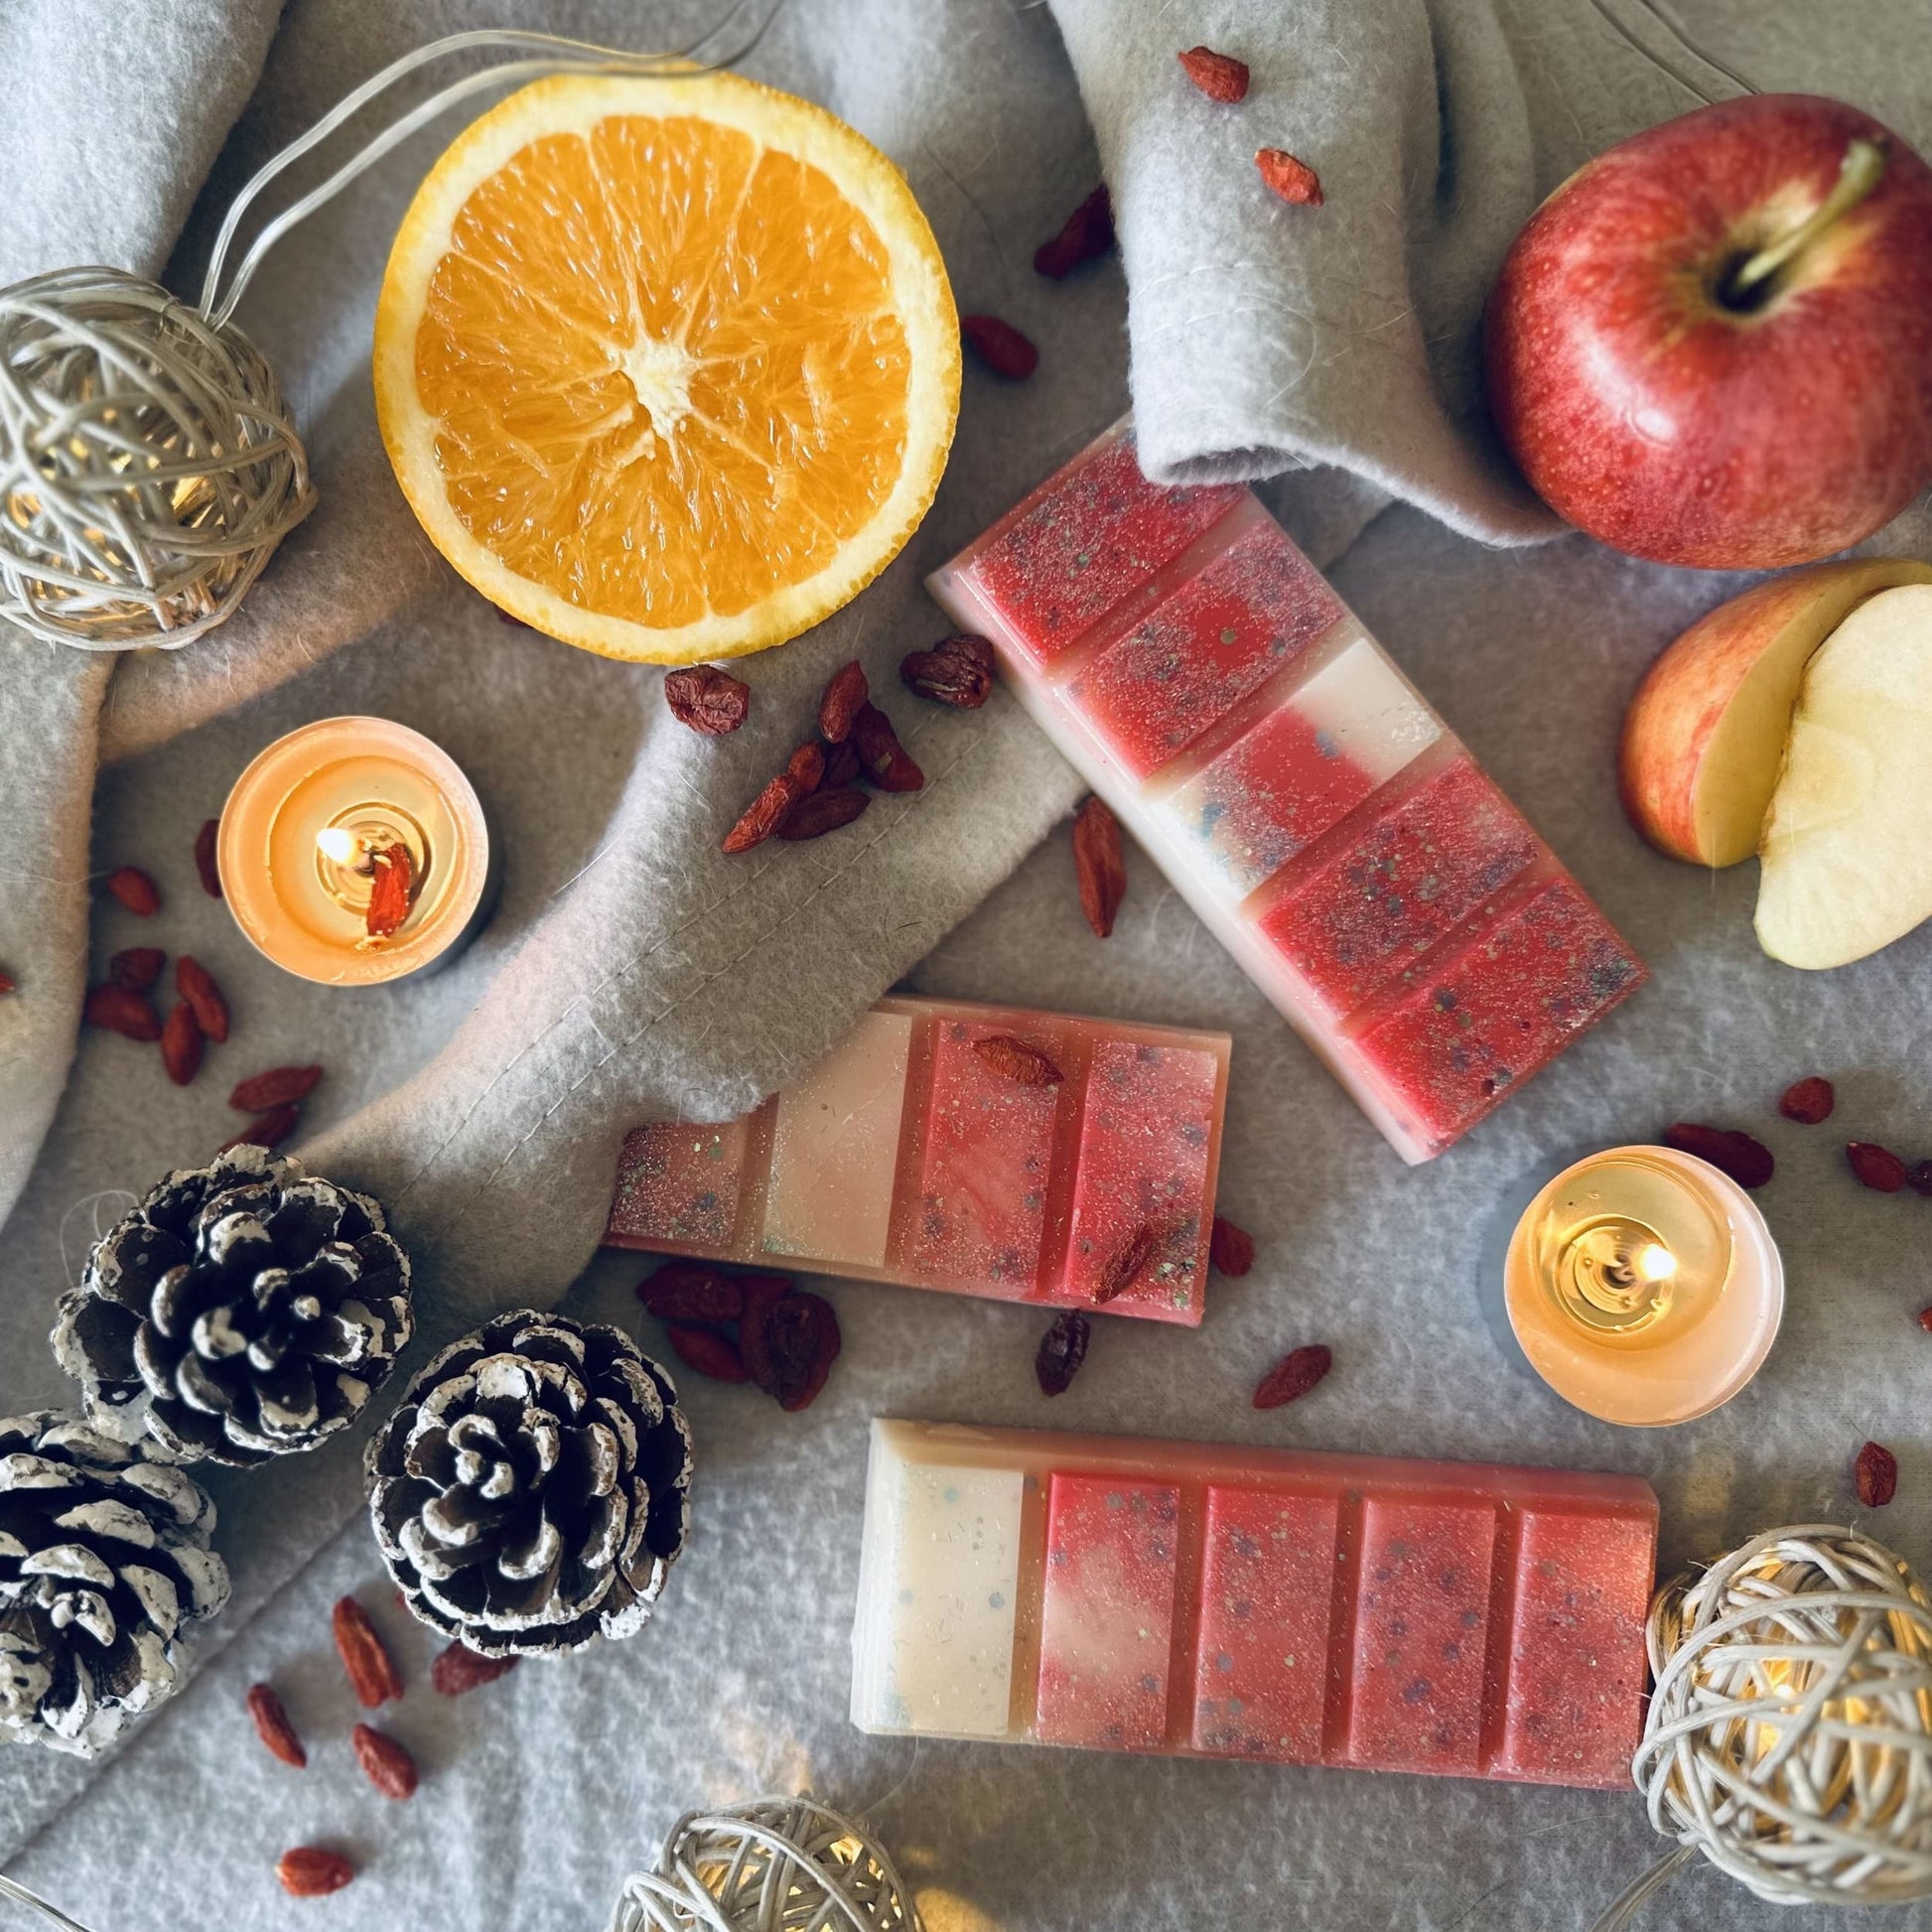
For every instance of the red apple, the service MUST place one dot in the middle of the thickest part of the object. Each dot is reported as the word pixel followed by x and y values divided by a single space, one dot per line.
pixel 1713 345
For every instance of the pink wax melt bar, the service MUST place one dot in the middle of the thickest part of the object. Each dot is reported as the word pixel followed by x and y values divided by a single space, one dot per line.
pixel 1298 791
pixel 1205 1602
pixel 919 1153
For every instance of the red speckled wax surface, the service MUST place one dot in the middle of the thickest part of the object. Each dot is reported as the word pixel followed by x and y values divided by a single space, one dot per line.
pixel 1507 1004
pixel 685 1180
pixel 1078 548
pixel 1143 1149
pixel 1268 1579
pixel 1106 1623
pixel 1287 1606
pixel 1415 871
pixel 1250 611
pixel 988 1156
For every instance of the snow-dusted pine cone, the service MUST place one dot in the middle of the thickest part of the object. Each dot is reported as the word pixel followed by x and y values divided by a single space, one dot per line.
pixel 242 1311
pixel 531 1489
pixel 105 1562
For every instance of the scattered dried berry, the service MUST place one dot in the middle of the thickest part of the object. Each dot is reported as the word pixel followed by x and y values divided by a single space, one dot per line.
pixel 1221 76
pixel 372 1673
pixel 1000 347
pixel 394 886
pixel 764 814
pixel 460 1668
pixel 957 671
pixel 1098 865
pixel 135 890
pixel 1919 1176
pixel 269 1129
pixel 688 1291
pixel 887 763
pixel 1294 181
pixel 1925 1320
pixel 788 1346
pixel 274 1088
pixel 710 700
pixel 1879 1168
pixel 1128 1260
pixel 181 1045
pixel 137 968
pixel 273 1727
pixel 1014 1060
pixel 1808 1101
pixel 195 984
pixel 1293 1376
pixel 707 1352
pixel 1086 235
pixel 1230 1250
pixel 842 766
pixel 7 984
pixel 823 811
pixel 309 1871
pixel 1063 1349
pixel 121 1011
pixel 1745 1160
pixel 204 859
pixel 386 1761
pixel 805 767
pixel 845 697
pixel 1878 1475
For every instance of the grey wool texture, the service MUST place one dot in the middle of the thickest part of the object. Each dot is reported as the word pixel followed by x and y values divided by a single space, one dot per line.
pixel 633 972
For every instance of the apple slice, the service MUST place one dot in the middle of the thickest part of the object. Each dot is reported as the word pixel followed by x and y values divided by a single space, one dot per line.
pixel 1848 867
pixel 1705 734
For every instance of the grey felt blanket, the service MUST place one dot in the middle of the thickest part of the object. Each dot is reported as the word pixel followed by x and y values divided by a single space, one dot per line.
pixel 631 971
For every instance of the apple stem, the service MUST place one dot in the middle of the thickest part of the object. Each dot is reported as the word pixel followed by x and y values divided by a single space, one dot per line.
pixel 1858 175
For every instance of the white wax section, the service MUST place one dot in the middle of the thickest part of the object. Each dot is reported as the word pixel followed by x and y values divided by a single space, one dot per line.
pixel 1366 707
pixel 835 1146
pixel 933 1648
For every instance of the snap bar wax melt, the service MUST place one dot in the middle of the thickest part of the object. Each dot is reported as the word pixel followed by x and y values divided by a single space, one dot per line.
pixel 980 1150
pixel 1202 1601
pixel 1294 787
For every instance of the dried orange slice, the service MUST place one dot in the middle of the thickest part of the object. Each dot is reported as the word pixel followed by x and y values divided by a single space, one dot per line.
pixel 667 367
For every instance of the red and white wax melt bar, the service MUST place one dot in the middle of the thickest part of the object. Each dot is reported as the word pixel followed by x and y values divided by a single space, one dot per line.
pixel 910 1155
pixel 1294 787
pixel 1203 1602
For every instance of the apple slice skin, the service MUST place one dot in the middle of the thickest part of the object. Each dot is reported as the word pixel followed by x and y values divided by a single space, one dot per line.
pixel 1670 425
pixel 1847 865
pixel 1704 737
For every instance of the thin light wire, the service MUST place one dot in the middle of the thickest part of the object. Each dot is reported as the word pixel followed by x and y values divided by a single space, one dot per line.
pixel 554 54
pixel 11 1888
pixel 1670 23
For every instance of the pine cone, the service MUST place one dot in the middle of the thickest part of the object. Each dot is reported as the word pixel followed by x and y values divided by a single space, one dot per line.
pixel 105 1560
pixel 531 1488
pixel 242 1311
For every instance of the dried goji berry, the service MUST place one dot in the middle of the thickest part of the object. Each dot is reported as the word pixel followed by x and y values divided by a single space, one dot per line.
pixel 206 863
pixel 268 1129
pixel 274 1088
pixel 1126 1263
pixel 1063 1349
pixel 458 1668
pixel 707 1352
pixel 1878 1475
pixel 689 1291
pixel 1747 1161
pixel 181 1045
pixel 1293 1376
pixel 1000 347
pixel 842 766
pixel 1014 1060
pixel 712 701
pixel 195 984
pixel 135 890
pixel 764 814
pixel 790 1345
pixel 1231 1250
pixel 137 968
pixel 887 763
pixel 845 697
pixel 273 1727
pixel 823 811
pixel 957 671
pixel 1808 1101
pixel 1098 865
pixel 121 1011
pixel 372 1673
pixel 1294 181
pixel 1879 1168
pixel 1221 76
pixel 392 889
pixel 1085 236
pixel 310 1871
pixel 386 1761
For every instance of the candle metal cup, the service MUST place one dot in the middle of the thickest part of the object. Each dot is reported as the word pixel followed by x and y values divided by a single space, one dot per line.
pixel 1644 1286
pixel 306 829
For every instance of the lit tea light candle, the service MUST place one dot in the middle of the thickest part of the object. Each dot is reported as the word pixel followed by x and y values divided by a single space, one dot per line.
pixel 1644 1286
pixel 355 851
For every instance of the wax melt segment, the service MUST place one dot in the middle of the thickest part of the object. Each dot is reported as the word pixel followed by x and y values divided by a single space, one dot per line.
pixel 1208 1601
pixel 979 1150
pixel 1295 790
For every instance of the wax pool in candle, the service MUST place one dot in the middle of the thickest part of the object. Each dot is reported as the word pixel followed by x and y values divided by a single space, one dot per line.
pixel 910 1155
pixel 1295 788
pixel 298 841
pixel 1644 1286
pixel 1266 1604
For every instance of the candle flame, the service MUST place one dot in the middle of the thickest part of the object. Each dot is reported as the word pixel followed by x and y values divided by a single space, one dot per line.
pixel 335 843
pixel 1656 1263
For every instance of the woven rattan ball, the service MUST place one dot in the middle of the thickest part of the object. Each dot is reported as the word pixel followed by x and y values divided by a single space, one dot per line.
pixel 772 1865
pixel 1789 1738
pixel 148 465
